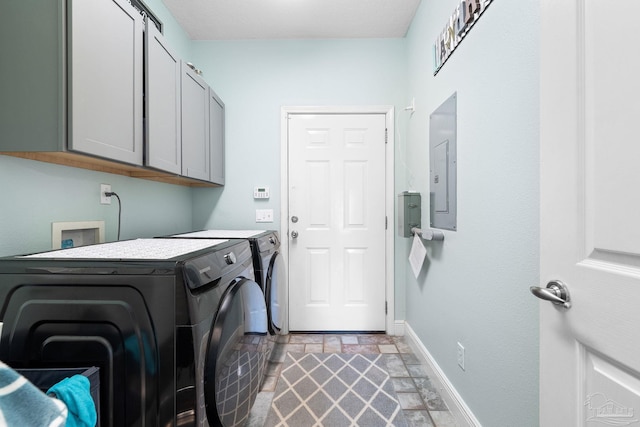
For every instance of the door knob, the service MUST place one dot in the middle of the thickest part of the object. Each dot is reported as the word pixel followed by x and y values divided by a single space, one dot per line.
pixel 556 292
pixel 294 234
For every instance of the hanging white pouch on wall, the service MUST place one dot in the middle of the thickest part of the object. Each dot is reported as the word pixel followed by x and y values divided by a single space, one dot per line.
pixel 417 255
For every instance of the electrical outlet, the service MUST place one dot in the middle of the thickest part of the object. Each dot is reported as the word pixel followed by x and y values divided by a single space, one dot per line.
pixel 104 199
pixel 461 356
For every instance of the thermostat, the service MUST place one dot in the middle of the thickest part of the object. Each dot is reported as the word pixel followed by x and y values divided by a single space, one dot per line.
pixel 261 192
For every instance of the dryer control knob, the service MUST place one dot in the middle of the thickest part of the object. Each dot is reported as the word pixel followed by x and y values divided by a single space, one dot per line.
pixel 230 258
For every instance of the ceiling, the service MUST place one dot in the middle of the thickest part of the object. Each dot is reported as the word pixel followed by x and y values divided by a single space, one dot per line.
pixel 293 19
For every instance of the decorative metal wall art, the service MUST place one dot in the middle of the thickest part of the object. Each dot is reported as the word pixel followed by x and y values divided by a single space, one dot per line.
pixel 459 25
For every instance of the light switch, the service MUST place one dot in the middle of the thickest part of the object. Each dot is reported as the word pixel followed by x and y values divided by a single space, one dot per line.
pixel 264 215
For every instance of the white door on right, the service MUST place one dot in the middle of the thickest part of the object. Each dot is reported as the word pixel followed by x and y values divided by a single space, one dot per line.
pixel 590 212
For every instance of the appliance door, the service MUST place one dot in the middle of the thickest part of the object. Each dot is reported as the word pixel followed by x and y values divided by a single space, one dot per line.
pixel 275 293
pixel 59 321
pixel 237 354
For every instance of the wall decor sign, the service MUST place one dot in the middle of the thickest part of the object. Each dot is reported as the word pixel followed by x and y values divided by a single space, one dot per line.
pixel 459 25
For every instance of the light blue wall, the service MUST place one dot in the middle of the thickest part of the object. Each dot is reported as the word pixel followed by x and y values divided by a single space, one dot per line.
pixel 255 79
pixel 35 194
pixel 171 30
pixel 474 288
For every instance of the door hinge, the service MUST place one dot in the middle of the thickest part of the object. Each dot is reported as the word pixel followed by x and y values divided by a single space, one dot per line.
pixel 386 222
pixel 386 135
pixel 386 311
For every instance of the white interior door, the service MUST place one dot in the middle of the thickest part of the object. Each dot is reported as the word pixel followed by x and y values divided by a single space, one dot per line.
pixel 590 233
pixel 336 222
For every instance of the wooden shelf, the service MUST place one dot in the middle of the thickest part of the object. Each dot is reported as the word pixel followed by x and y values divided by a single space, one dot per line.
pixel 82 161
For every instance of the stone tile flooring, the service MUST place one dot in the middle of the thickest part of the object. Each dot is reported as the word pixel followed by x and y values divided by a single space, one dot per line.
pixel 419 399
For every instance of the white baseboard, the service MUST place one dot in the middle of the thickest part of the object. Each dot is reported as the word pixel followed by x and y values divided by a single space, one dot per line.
pixel 449 394
pixel 398 328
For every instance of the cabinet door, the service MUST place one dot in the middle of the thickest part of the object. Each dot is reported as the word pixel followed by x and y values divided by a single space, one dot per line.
pixel 216 135
pixel 195 125
pixel 162 102
pixel 32 81
pixel 105 65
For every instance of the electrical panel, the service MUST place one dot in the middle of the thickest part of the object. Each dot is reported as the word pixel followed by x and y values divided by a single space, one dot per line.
pixel 442 165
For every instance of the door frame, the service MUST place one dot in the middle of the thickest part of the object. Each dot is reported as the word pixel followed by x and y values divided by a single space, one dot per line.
pixel 388 111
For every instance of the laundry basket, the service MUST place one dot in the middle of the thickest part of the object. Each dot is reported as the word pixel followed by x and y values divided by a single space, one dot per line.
pixel 44 379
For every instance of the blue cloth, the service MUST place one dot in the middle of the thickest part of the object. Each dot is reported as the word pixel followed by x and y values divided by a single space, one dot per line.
pixel 23 404
pixel 75 392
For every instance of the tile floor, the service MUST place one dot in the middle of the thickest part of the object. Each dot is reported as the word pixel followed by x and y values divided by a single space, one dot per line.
pixel 419 399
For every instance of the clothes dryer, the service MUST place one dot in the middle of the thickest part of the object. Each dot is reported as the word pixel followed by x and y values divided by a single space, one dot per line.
pixel 268 264
pixel 177 327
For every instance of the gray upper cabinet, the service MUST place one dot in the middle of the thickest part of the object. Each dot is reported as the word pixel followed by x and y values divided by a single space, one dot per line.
pixel 71 78
pixel 71 92
pixel 105 66
pixel 195 125
pixel 32 76
pixel 163 147
pixel 216 137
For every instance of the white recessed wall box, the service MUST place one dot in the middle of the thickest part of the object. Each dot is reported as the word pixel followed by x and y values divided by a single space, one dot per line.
pixel 77 233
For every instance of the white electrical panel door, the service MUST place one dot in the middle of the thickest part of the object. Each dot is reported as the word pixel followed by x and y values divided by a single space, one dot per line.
pixel 443 168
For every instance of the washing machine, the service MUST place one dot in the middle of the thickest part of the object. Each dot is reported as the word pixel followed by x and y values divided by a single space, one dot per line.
pixel 268 265
pixel 178 328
